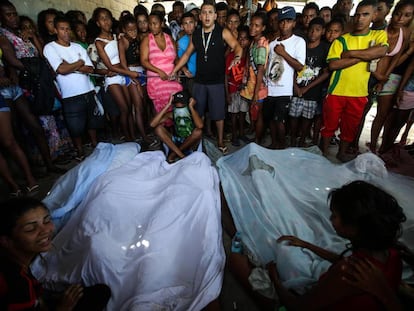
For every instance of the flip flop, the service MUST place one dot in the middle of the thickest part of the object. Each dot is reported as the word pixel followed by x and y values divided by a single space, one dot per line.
pixel 33 189
pixel 223 149
pixel 80 158
pixel 16 194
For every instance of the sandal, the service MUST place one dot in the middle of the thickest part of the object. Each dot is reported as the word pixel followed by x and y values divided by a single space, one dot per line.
pixel 223 149
pixel 32 189
pixel 80 158
pixel 16 194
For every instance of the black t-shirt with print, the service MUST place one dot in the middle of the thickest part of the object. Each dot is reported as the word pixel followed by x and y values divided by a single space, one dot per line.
pixel 314 65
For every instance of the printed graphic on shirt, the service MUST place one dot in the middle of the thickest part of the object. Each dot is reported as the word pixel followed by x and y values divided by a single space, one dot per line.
pixel 309 72
pixel 183 122
pixel 276 68
pixel 238 73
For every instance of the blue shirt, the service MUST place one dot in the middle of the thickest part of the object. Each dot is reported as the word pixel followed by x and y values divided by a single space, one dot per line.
pixel 183 43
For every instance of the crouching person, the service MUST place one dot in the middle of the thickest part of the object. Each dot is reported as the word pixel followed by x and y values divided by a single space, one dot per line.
pixel 187 126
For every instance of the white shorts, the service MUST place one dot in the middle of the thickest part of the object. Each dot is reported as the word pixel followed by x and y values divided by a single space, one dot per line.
pixel 118 79
pixel 142 77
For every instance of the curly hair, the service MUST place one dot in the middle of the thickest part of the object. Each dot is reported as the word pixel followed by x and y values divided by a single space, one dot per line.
pixel 374 213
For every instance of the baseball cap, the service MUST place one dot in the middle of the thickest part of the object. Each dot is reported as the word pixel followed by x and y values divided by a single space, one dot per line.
pixel 287 12
pixel 181 97
pixel 191 6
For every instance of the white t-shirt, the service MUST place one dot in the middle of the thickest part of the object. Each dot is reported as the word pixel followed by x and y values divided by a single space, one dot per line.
pixel 71 84
pixel 279 73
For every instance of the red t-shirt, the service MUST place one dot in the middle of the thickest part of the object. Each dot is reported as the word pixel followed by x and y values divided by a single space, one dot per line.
pixel 234 74
pixel 391 269
pixel 18 290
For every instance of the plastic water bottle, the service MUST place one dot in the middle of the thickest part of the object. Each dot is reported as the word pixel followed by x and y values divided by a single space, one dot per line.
pixel 236 244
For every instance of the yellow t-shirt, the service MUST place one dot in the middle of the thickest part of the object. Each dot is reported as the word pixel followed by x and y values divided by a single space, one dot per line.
pixel 353 81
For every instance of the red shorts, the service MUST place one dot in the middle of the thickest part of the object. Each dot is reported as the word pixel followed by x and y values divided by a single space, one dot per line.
pixel 344 112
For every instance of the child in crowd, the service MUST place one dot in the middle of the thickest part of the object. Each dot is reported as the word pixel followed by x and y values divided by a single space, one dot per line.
pixel 237 105
pixel 400 114
pixel 398 36
pixel 233 22
pixel 129 47
pixel 188 25
pixel 287 55
pixel 45 24
pixel 120 81
pixel 80 34
pixel 272 29
pixel 256 90
pixel 175 22
pixel 348 58
pixel 309 83
pixel 72 64
pixel 221 11
pixel 187 129
pixel 29 31
pixel 334 29
pixel 9 144
pixel 309 12
pixel 142 23
pixel 26 230
pixel 326 13
pixel 129 56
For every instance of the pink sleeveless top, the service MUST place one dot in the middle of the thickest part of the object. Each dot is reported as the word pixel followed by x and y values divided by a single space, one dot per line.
pixel 158 90
pixel 161 59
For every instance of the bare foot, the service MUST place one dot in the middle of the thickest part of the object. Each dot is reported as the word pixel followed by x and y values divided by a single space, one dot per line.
pixel 171 157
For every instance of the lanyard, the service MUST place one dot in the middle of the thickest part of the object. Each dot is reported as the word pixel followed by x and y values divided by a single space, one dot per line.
pixel 206 44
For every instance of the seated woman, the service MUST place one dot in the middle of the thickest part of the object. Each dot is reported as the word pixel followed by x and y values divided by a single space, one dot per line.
pixel 371 219
pixel 26 231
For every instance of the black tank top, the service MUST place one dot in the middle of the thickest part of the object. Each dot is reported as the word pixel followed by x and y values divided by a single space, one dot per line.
pixel 211 71
pixel 132 53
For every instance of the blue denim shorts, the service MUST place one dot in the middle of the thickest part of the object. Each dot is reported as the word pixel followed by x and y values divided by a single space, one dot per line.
pixel 80 114
pixel 3 105
pixel 12 92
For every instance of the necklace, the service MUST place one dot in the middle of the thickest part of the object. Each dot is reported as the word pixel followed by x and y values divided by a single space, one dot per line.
pixel 206 44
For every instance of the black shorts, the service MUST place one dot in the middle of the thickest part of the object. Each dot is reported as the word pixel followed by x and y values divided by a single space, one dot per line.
pixel 276 108
pixel 80 114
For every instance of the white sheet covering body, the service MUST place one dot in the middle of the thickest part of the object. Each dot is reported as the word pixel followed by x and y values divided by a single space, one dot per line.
pixel 149 230
pixel 273 193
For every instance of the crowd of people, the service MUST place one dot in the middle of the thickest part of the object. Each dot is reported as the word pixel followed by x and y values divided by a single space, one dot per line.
pixel 66 81
pixel 69 81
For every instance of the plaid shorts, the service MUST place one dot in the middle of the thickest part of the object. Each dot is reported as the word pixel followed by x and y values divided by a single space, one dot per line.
pixel 300 107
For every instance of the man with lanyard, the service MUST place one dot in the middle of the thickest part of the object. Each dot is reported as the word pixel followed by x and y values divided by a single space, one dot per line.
pixel 209 43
